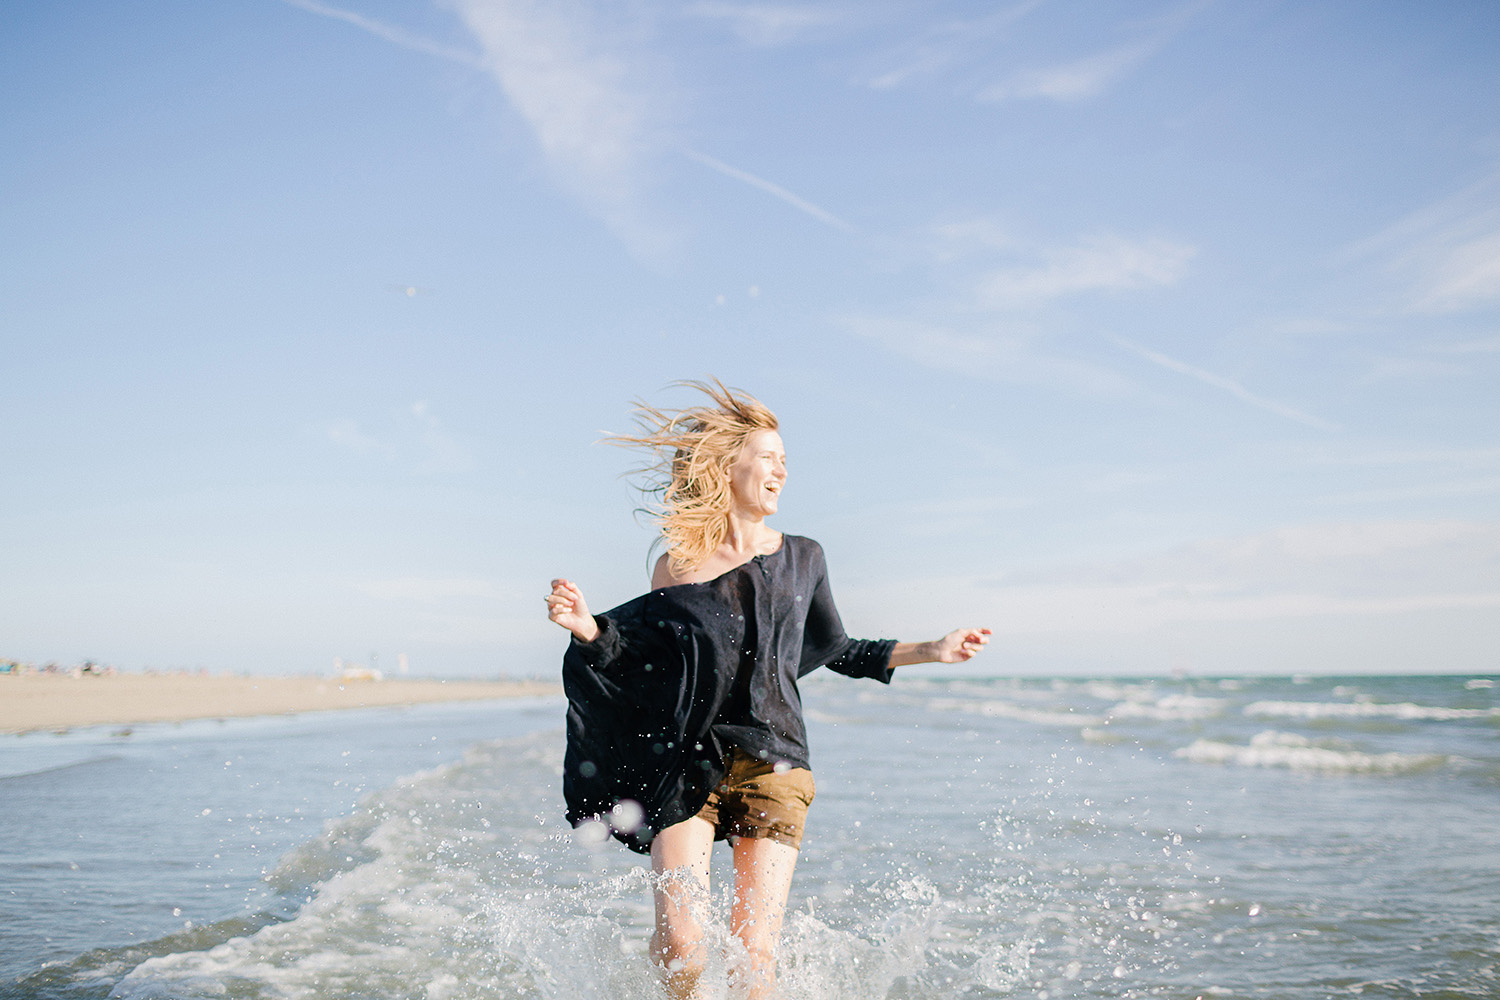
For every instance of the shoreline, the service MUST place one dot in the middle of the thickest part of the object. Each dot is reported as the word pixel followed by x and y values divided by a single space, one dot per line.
pixel 58 702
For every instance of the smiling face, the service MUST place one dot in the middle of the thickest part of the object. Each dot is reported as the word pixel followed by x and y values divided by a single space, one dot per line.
pixel 758 474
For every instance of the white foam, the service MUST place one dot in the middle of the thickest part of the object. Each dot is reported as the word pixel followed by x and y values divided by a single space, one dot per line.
pixel 1364 710
pixel 1298 753
pixel 1172 707
pixel 995 708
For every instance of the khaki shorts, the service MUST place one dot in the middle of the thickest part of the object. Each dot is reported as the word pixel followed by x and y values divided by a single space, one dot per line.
pixel 754 801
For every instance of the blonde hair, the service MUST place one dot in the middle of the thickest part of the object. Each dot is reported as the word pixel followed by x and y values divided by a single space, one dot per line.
pixel 688 483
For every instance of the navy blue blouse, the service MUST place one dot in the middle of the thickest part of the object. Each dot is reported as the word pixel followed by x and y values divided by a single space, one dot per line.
pixel 680 674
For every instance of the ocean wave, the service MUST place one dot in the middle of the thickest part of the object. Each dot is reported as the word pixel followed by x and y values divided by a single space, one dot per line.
pixel 1170 708
pixel 995 708
pixel 1364 710
pixel 1298 753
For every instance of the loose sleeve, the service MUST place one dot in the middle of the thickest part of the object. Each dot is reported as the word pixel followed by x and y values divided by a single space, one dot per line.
pixel 824 642
pixel 606 648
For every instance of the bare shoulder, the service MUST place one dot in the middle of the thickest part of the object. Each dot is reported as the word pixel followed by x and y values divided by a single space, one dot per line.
pixel 662 575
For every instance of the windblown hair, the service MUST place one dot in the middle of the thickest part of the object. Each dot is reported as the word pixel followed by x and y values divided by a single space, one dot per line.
pixel 688 483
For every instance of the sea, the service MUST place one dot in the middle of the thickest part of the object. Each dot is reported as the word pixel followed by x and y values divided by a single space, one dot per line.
pixel 973 837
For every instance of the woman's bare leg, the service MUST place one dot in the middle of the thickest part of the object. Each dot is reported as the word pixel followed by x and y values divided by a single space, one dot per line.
pixel 677 946
pixel 762 882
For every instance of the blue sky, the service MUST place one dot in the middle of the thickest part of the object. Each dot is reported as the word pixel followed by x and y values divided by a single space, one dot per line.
pixel 1159 336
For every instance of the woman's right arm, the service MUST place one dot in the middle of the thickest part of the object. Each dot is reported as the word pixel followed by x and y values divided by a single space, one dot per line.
pixel 566 606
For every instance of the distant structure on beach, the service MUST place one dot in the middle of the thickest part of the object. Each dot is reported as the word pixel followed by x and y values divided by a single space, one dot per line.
pixel 354 671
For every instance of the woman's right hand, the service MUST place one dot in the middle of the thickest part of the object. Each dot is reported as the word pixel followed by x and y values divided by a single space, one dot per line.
pixel 566 606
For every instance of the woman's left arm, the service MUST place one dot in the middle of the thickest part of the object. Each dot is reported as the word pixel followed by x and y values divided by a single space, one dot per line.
pixel 955 647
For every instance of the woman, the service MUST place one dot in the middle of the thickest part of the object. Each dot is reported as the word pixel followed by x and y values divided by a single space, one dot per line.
pixel 684 723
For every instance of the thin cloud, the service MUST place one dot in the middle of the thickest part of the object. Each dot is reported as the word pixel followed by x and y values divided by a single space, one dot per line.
pixel 1097 263
pixel 1328 571
pixel 1464 274
pixel 346 433
pixel 575 87
pixel 1449 490
pixel 1228 385
pixel 397 36
pixel 947 44
pixel 768 24
pixel 1392 369
pixel 585 94
pixel 989 354
pixel 417 438
pixel 430 590
pixel 1484 345
pixel 1465 457
pixel 1314 573
pixel 1072 81
pixel 442 452
pixel 1450 250
pixel 775 190
pixel 1090 76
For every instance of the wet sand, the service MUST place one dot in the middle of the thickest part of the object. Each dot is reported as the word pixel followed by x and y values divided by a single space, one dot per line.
pixel 52 702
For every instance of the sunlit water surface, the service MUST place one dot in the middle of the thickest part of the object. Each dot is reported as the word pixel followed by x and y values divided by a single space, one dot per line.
pixel 971 838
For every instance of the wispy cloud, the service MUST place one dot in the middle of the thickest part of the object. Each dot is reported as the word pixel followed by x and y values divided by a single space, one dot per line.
pixel 1482 345
pixel 442 452
pixel 585 94
pixel 946 44
pixel 1466 273
pixel 432 590
pixel 1089 76
pixel 1097 263
pixel 579 89
pixel 989 353
pixel 417 438
pixel 1072 81
pixel 1459 457
pixel 1228 385
pixel 1445 490
pixel 1449 250
pixel 1402 369
pixel 390 33
pixel 1326 571
pixel 769 23
pixel 775 190
pixel 346 433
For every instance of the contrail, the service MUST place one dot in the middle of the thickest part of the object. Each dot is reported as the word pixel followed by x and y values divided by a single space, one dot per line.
pixel 776 190
pixel 1229 385
pixel 395 35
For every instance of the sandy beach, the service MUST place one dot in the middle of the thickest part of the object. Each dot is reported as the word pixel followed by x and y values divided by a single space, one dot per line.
pixel 51 702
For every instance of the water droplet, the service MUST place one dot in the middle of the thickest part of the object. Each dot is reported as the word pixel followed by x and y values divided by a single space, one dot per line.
pixel 591 833
pixel 627 816
pixel 587 769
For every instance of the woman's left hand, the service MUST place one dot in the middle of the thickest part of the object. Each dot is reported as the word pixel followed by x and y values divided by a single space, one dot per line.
pixel 957 646
pixel 961 644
